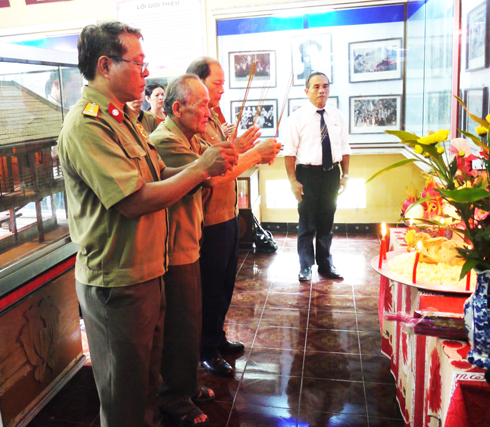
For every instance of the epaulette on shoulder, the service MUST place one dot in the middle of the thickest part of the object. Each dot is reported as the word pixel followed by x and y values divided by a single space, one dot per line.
pixel 91 109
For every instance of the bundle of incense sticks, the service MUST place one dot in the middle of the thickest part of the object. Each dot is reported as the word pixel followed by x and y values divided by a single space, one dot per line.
pixel 261 102
pixel 249 83
pixel 288 88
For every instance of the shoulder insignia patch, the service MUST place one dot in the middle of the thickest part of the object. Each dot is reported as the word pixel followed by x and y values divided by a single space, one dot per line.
pixel 114 112
pixel 91 109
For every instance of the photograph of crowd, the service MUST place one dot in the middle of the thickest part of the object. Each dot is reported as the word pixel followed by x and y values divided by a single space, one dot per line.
pixel 262 114
pixel 241 64
pixel 374 114
pixel 375 60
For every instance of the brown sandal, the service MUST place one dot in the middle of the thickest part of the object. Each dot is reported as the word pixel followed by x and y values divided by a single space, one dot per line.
pixel 204 395
pixel 188 420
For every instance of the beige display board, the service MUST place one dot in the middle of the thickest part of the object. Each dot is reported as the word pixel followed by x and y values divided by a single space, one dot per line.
pixel 174 32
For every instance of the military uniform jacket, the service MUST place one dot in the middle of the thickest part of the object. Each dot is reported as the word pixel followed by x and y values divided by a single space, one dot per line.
pixel 185 216
pixel 219 203
pixel 106 156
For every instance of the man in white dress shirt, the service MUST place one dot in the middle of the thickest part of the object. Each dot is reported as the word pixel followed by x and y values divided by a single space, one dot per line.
pixel 316 152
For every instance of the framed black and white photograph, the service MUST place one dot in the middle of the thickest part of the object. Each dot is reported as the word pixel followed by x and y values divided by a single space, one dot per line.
pixel 476 30
pixel 374 114
pixel 266 118
pixel 240 64
pixel 333 101
pixel 295 103
pixel 439 110
pixel 312 53
pixel 375 60
pixel 476 100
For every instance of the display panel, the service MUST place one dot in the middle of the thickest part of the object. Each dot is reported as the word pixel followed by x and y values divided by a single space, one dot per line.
pixel 315 41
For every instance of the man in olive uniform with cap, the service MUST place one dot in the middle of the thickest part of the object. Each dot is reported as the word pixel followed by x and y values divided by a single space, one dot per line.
pixel 117 190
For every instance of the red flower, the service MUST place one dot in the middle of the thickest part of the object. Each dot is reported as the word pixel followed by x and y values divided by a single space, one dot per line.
pixel 434 206
pixel 461 364
pixel 435 386
pixel 405 347
pixel 452 344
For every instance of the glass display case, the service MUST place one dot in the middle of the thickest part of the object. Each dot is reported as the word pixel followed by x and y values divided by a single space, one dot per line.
pixel 35 98
pixel 39 316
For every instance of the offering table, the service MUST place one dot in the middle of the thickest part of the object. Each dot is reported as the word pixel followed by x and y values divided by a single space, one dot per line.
pixel 436 385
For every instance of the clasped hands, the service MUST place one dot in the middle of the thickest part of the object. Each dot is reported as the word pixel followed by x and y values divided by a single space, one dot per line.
pixel 267 148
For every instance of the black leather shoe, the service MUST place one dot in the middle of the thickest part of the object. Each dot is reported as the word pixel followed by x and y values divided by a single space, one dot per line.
pixel 231 347
pixel 218 366
pixel 304 274
pixel 330 272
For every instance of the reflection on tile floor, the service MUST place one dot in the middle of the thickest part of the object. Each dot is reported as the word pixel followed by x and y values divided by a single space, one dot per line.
pixel 312 356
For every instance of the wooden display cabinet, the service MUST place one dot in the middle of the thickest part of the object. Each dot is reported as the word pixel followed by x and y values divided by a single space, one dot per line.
pixel 249 204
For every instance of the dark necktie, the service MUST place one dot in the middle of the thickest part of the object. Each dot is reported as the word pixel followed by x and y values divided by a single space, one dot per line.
pixel 326 148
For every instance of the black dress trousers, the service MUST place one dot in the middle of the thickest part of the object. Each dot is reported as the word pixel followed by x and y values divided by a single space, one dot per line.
pixel 316 214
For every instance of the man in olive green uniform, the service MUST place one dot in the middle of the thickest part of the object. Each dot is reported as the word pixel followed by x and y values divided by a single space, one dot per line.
pixel 219 250
pixel 117 215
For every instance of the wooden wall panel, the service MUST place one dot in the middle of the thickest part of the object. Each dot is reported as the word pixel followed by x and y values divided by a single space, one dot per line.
pixel 39 342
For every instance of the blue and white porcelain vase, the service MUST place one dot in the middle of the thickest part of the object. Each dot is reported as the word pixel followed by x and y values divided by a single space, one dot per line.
pixel 477 322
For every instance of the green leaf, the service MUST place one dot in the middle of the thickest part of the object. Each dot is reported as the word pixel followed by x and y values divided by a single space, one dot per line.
pixel 393 166
pixel 403 135
pixel 465 195
pixel 476 140
pixel 469 265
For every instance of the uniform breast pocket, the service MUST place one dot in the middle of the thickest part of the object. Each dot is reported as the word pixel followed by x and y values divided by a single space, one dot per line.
pixel 135 153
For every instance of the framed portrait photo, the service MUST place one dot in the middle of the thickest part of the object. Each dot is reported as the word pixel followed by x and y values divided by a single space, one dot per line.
pixel 375 60
pixel 476 30
pixel 240 64
pixel 476 100
pixel 374 114
pixel 311 53
pixel 265 118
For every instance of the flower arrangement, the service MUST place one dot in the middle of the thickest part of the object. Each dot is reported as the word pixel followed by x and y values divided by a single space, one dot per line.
pixel 454 180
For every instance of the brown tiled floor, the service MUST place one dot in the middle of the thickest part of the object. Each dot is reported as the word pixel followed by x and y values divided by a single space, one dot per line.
pixel 312 356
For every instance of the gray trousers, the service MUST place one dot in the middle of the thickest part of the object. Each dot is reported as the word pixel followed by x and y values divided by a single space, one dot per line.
pixel 182 338
pixel 125 333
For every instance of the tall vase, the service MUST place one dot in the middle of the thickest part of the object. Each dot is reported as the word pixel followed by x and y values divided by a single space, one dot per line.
pixel 477 322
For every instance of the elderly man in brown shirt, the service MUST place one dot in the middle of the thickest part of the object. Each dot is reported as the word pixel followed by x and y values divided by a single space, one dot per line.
pixel 219 251
pixel 186 105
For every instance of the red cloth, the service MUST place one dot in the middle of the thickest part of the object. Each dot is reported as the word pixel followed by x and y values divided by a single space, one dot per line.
pixel 470 405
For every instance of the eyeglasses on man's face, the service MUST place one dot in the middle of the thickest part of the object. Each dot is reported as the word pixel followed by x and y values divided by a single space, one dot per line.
pixel 144 65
